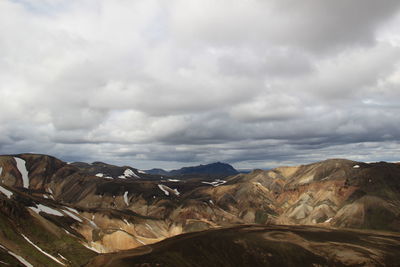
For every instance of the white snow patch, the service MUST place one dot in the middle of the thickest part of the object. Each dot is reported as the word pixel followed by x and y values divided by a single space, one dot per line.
pixel 1 170
pixel 6 192
pixel 137 239
pixel 71 209
pixel 126 221
pixel 46 209
pixel 45 253
pixel 211 202
pixel 356 166
pixel 167 190
pixel 122 177
pixel 49 190
pixel 73 216
pixel 108 177
pixel 91 248
pixel 45 196
pixel 148 226
pixel 24 172
pixel 216 182
pixel 126 198
pixel 62 257
pixel 143 172
pixel 99 174
pixel 173 180
pixel 91 222
pixel 176 192
pixel 328 220
pixel 130 173
pixel 163 189
pixel 21 260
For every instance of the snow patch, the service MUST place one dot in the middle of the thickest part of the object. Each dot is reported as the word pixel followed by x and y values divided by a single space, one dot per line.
pixel 148 226
pixel 142 172
pixel 62 257
pixel 73 216
pixel 46 209
pixel 71 209
pixel 329 220
pixel 216 182
pixel 167 190
pixel 108 177
pixel 91 248
pixel 1 170
pixel 99 174
pixel 24 172
pixel 45 253
pixel 356 166
pixel 130 173
pixel 173 180
pixel 20 259
pixel 122 177
pixel 163 189
pixel 126 198
pixel 6 192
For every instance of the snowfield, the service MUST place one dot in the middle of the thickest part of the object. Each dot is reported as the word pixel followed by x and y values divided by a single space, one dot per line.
pixel 24 172
pixel 217 182
pixel 6 192
pixel 126 198
pixel 167 190
pixel 130 173
pixel 45 209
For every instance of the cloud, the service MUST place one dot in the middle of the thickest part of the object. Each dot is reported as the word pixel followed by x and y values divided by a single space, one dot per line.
pixel 150 83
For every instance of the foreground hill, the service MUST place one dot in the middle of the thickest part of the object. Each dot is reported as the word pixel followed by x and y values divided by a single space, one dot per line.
pixel 264 246
pixel 85 209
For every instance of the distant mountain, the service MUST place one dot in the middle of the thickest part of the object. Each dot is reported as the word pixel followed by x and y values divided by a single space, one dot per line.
pixel 212 169
pixel 158 171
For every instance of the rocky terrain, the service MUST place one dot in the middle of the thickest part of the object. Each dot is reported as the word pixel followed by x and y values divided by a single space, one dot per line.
pixel 56 213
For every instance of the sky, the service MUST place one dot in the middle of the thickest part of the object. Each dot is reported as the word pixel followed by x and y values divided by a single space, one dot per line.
pixel 159 83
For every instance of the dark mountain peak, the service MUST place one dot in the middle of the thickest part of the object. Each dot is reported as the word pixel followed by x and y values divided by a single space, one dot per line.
pixel 216 168
pixel 212 169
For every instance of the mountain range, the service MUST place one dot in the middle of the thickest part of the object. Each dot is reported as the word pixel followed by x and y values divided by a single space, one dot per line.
pixel 335 212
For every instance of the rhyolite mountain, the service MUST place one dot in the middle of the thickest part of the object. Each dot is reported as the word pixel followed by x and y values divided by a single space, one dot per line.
pixel 217 169
pixel 54 213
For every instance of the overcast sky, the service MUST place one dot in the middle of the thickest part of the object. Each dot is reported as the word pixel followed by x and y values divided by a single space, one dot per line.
pixel 181 82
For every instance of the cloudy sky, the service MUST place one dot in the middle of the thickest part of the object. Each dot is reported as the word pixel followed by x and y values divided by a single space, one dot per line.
pixel 157 83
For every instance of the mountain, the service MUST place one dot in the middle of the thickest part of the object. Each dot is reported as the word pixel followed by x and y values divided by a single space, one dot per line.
pixel 54 213
pixel 216 169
